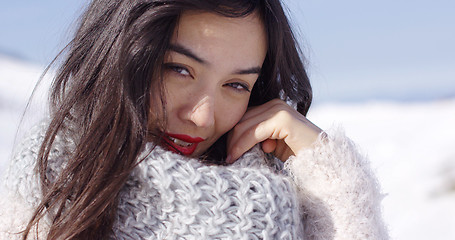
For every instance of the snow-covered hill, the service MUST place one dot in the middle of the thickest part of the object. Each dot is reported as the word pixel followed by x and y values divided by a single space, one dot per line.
pixel 411 146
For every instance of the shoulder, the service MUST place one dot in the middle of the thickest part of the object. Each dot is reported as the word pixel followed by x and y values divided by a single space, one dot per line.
pixel 22 177
pixel 15 214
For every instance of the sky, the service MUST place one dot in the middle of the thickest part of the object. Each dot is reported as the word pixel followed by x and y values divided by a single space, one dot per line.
pixel 356 50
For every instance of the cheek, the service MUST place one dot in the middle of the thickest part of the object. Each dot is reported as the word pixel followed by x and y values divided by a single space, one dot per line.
pixel 230 116
pixel 155 113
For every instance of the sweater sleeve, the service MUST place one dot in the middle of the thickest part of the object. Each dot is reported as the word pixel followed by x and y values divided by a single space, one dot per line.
pixel 15 213
pixel 338 192
pixel 22 189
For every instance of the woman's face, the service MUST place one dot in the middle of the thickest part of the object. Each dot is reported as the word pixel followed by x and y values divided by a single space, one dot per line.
pixel 209 72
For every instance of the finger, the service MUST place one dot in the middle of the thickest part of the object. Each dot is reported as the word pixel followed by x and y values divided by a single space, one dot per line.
pixel 266 124
pixel 272 120
pixel 250 137
pixel 260 114
pixel 257 110
pixel 247 125
pixel 269 145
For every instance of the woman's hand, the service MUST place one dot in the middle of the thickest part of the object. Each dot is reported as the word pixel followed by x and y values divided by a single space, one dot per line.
pixel 281 129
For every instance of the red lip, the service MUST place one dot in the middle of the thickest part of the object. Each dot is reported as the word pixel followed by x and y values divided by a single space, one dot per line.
pixel 188 150
pixel 185 138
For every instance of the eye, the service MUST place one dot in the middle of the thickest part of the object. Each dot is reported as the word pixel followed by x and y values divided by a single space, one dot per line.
pixel 181 70
pixel 238 86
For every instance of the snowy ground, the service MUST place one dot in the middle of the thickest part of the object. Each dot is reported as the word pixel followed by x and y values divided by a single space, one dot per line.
pixel 411 146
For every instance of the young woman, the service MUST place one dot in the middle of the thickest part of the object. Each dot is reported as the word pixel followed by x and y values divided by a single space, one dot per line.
pixel 156 112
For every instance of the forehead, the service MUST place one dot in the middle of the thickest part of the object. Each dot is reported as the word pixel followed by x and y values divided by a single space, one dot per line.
pixel 211 35
pixel 209 23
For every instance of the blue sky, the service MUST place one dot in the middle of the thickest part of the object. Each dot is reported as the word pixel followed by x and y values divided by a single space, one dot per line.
pixel 399 49
pixel 357 50
pixel 36 30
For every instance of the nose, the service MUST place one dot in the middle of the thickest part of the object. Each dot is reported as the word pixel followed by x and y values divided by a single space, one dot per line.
pixel 203 112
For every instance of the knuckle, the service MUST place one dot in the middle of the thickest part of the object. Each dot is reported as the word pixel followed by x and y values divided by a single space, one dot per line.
pixel 253 130
pixel 280 105
pixel 277 102
pixel 283 115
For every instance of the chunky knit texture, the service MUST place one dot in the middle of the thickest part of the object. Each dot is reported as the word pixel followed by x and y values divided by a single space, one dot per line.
pixel 169 196
pixel 196 201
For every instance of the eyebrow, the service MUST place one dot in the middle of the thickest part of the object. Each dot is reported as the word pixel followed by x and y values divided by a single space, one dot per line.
pixel 187 52
pixel 253 70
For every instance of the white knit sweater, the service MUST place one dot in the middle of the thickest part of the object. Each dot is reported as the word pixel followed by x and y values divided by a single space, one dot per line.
pixel 327 192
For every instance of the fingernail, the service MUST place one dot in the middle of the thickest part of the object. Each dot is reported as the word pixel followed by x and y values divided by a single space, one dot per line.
pixel 228 159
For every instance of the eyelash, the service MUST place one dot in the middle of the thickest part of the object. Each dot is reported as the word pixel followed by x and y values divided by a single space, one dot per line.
pixel 236 86
pixel 179 69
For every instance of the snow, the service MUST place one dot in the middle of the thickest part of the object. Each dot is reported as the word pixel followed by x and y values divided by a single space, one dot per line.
pixel 411 146
pixel 17 82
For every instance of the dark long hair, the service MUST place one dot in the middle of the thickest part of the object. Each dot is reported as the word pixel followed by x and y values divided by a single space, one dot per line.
pixel 104 89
